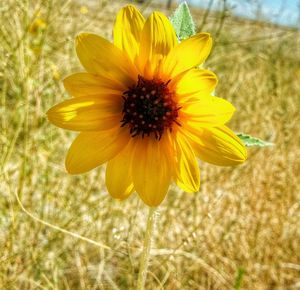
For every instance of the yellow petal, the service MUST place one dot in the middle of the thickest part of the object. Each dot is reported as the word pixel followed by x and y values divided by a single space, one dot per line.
pixel 91 149
pixel 86 84
pixel 219 146
pixel 188 54
pixel 194 83
pixel 87 113
pixel 127 30
pixel 187 173
pixel 118 174
pixel 151 170
pixel 207 111
pixel 99 56
pixel 157 39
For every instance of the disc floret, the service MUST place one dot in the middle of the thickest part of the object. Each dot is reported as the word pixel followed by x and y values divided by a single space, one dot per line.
pixel 149 107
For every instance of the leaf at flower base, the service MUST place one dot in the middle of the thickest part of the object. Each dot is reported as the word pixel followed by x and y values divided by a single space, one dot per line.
pixel 183 22
pixel 250 141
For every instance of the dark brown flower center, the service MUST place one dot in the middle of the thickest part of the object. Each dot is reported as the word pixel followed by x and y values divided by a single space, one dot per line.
pixel 149 108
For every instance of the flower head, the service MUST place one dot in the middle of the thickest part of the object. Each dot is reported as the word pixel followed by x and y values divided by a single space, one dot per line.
pixel 37 25
pixel 55 72
pixel 84 10
pixel 144 107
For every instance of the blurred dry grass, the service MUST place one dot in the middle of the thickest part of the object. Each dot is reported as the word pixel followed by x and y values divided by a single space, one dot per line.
pixel 243 227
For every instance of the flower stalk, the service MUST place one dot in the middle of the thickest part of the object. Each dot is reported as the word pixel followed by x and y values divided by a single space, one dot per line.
pixel 145 257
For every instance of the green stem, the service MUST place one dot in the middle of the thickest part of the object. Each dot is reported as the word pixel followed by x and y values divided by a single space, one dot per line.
pixel 146 249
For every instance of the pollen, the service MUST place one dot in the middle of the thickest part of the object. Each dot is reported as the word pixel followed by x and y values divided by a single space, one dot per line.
pixel 149 108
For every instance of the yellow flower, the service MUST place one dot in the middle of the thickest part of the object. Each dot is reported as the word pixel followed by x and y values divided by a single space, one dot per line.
pixel 144 107
pixel 84 10
pixel 55 72
pixel 37 25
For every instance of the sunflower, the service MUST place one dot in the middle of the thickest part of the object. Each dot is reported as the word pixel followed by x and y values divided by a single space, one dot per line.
pixel 144 107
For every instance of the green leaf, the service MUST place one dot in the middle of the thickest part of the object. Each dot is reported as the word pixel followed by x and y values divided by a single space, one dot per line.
pixel 250 141
pixel 183 22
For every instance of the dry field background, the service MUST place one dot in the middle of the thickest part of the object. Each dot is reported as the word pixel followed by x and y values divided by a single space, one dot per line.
pixel 241 231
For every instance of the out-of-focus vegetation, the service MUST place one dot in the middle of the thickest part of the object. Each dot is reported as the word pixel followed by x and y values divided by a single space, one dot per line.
pixel 241 231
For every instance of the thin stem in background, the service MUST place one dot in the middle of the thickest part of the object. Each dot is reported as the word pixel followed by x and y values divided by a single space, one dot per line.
pixel 222 19
pixel 169 3
pixel 207 11
pixel 146 248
